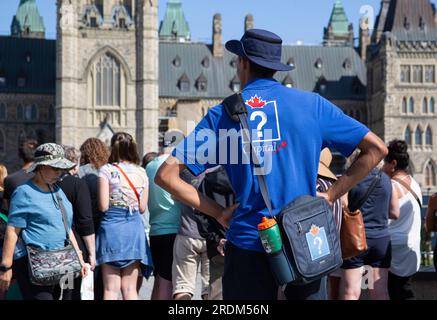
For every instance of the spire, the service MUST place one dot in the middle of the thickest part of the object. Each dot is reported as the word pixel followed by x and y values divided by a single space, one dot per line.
pixel 174 27
pixel 248 22
pixel 28 23
pixel 339 31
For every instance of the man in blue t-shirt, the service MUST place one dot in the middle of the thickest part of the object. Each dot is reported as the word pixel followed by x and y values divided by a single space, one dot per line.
pixel 289 129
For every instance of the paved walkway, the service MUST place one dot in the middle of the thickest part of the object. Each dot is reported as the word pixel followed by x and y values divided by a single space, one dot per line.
pixel 146 289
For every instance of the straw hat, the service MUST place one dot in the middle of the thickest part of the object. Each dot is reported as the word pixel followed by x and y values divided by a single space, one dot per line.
pixel 324 163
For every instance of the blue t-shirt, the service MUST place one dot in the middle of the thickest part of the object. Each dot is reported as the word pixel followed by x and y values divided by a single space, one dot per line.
pixel 299 124
pixel 35 212
pixel 377 206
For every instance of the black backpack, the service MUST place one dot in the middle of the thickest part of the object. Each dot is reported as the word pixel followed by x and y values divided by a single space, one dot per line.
pixel 217 187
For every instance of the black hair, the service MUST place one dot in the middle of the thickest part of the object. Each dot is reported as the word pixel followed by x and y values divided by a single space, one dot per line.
pixel 149 157
pixel 398 150
pixel 259 71
pixel 26 151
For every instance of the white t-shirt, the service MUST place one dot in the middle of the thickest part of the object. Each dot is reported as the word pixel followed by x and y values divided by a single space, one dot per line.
pixel 120 192
pixel 405 233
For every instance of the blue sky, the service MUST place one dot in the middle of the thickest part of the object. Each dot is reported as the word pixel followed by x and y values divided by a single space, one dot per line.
pixel 293 20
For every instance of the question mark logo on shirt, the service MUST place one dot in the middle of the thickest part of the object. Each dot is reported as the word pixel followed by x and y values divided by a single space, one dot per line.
pixel 261 124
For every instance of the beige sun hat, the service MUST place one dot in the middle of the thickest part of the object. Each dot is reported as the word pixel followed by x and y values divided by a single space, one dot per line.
pixel 324 163
pixel 52 155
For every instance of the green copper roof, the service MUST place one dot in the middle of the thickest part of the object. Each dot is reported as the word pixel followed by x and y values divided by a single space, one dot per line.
pixel 174 26
pixel 27 17
pixel 339 20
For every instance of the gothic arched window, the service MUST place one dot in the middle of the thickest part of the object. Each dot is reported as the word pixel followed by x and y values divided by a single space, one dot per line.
pixel 20 112
pixel 3 113
pixel 430 175
pixel 52 113
pixel 2 142
pixel 408 136
pixel 418 136
pixel 404 105
pixel 107 81
pixel 428 136
pixel 431 105
pixel 31 113
pixel 411 105
pixel 425 105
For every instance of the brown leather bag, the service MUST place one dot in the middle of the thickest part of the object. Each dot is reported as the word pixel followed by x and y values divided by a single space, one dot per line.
pixel 431 220
pixel 352 234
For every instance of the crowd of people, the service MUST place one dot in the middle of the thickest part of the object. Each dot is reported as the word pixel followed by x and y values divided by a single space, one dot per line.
pixel 202 218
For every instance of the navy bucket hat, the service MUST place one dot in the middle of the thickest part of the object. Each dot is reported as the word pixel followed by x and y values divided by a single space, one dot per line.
pixel 262 47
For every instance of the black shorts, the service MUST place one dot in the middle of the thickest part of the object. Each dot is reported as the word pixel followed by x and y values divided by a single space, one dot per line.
pixel 378 255
pixel 161 248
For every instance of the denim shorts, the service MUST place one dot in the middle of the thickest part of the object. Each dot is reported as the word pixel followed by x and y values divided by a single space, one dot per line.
pixel 378 255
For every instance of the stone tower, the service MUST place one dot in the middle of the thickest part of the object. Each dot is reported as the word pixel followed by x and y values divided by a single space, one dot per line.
pixel 402 88
pixel 339 32
pixel 107 70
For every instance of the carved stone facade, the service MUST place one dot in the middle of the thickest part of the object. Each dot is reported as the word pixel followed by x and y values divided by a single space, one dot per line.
pixel 401 101
pixel 24 116
pixel 107 68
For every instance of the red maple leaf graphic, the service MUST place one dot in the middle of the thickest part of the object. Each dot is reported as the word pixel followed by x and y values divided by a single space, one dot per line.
pixel 256 102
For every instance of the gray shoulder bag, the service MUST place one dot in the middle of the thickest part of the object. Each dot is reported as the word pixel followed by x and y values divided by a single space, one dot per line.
pixel 48 267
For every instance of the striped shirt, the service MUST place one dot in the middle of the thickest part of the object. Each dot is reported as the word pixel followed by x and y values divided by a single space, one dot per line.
pixel 322 185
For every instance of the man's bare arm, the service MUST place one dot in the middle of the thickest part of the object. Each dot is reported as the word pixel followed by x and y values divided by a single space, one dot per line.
pixel 168 178
pixel 373 150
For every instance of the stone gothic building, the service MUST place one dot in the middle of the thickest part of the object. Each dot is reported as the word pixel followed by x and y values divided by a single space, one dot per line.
pixel 114 67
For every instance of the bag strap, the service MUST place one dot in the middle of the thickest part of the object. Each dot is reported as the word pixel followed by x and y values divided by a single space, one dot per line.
pixel 64 216
pixel 3 217
pixel 372 186
pixel 403 183
pixel 237 111
pixel 128 181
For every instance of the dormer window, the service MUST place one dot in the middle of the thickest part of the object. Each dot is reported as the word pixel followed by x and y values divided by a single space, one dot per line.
pixel 21 81
pixel 322 86
pixel 184 83
pixel 406 23
pixel 202 83
pixel 234 62
pixel 2 78
pixel 421 23
pixel 288 82
pixel 177 61
pixel 122 23
pixel 235 84
pixel 205 62
pixel 28 57
pixel 93 22
pixel 92 17
pixel 319 64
